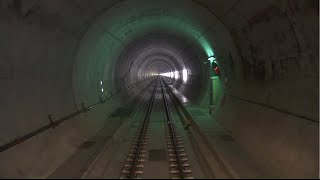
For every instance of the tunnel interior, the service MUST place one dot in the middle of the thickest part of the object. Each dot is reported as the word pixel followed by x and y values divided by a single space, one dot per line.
pixel 152 35
pixel 162 54
pixel 57 57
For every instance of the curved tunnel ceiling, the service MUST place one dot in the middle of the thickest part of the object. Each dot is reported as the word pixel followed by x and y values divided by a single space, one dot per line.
pixel 57 56
pixel 158 52
pixel 123 25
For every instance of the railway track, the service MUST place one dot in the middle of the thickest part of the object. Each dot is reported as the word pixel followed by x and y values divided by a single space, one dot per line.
pixel 178 162
pixel 133 167
pixel 178 159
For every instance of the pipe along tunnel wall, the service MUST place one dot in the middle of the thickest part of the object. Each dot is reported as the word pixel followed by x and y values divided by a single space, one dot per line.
pixel 56 55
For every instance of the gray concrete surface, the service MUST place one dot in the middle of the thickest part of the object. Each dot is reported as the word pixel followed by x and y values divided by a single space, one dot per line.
pixel 53 55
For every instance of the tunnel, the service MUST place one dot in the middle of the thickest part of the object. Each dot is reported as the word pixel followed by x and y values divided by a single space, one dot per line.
pixel 225 88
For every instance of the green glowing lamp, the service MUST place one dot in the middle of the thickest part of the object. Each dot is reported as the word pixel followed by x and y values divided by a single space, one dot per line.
pixel 211 59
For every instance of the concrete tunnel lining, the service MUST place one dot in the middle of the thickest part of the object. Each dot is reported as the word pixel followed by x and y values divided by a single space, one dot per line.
pixel 160 49
pixel 141 23
pixel 60 64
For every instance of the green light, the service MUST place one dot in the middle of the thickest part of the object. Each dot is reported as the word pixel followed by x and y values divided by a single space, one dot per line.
pixel 204 42
pixel 212 59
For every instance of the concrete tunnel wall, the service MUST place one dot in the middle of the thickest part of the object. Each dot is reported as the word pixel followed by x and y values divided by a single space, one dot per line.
pixel 54 55
pixel 159 53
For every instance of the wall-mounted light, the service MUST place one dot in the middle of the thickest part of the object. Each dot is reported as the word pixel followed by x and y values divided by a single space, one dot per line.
pixel 176 75
pixel 185 75
pixel 211 59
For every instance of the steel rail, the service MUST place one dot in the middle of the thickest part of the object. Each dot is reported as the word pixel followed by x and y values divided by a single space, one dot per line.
pixel 138 142
pixel 172 133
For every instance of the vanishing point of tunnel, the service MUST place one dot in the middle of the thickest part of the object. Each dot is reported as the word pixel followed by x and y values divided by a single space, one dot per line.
pixel 159 89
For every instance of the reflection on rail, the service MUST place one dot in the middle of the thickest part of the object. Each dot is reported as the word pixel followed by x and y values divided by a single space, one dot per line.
pixel 133 168
pixel 179 166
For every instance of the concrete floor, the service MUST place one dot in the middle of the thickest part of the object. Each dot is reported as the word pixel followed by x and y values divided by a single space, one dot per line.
pixel 104 154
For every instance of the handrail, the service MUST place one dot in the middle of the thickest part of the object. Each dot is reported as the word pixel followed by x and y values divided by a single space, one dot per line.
pixel 284 111
pixel 281 110
pixel 53 124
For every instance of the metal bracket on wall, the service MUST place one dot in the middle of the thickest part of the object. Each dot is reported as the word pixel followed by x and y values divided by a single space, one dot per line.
pixel 53 124
pixel 84 108
pixel 51 121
